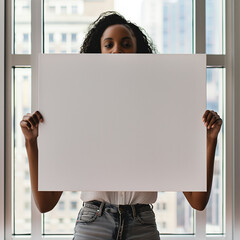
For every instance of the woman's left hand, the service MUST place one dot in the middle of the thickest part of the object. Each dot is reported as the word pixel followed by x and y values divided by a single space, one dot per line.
pixel 213 123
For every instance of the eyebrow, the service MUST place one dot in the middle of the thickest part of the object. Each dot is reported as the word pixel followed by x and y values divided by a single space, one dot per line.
pixel 112 38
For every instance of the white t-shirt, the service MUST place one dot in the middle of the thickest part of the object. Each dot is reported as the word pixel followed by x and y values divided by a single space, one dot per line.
pixel 120 198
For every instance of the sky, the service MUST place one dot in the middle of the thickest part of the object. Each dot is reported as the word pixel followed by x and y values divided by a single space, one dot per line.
pixel 130 9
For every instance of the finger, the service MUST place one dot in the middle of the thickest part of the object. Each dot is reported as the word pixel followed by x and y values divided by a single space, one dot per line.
pixel 26 117
pixel 212 121
pixel 211 115
pixel 207 118
pixel 205 115
pixel 35 118
pixel 39 116
pixel 217 122
pixel 31 121
pixel 25 124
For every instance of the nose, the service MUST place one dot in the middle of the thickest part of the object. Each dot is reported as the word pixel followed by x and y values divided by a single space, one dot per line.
pixel 117 49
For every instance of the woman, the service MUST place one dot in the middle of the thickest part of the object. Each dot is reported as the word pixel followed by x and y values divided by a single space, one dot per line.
pixel 115 215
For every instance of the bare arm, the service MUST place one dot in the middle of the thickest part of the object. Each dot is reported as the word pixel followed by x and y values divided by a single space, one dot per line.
pixel 44 200
pixel 213 122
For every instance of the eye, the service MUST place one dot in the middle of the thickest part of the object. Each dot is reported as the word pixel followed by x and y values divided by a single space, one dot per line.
pixel 127 44
pixel 108 45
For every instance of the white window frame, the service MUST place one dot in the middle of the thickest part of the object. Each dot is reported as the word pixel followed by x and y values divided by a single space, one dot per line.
pixel 236 119
pixel 2 117
pixel 230 61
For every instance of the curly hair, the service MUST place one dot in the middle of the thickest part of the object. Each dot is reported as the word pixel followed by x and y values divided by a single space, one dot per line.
pixel 91 43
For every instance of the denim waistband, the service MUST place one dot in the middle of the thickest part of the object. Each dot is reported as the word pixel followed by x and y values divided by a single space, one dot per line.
pixel 134 209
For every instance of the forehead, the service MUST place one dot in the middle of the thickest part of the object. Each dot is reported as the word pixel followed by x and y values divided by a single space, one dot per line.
pixel 117 30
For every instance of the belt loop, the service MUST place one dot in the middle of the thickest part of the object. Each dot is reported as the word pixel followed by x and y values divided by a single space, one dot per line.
pixel 134 211
pixel 100 210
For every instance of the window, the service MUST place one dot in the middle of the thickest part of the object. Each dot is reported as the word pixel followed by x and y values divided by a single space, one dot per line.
pixel 74 9
pixel 164 224
pixel 164 206
pixel 61 205
pixel 26 8
pixel 27 190
pixel 74 205
pixel 27 175
pixel 51 37
pixel 176 27
pixel 214 27
pixel 22 27
pixel 21 195
pixel 25 37
pixel 27 205
pixel 63 9
pixel 52 9
pixel 74 37
pixel 64 37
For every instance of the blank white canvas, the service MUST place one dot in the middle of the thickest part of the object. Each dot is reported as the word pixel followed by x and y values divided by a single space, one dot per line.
pixel 122 122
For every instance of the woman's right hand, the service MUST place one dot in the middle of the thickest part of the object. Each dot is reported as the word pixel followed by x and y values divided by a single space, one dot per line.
pixel 29 125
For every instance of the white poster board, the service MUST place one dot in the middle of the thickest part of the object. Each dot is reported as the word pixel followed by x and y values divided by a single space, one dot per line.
pixel 122 122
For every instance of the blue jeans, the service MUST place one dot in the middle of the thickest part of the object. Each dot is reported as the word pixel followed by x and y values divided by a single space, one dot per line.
pixel 104 221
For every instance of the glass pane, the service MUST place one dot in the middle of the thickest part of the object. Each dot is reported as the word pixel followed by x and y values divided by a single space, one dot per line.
pixel 215 212
pixel 215 27
pixel 22 33
pixel 22 188
pixel 173 213
pixel 62 219
pixel 168 22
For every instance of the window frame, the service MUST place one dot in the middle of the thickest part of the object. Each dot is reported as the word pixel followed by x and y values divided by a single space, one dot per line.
pixel 2 118
pixel 236 119
pixel 229 61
